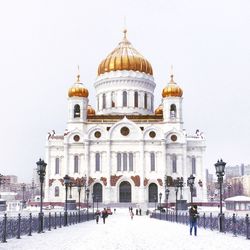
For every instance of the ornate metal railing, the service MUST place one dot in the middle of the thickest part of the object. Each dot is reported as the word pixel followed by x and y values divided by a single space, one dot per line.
pixel 230 224
pixel 15 227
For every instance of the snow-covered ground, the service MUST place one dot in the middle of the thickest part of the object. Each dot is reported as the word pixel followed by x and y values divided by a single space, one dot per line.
pixel 122 233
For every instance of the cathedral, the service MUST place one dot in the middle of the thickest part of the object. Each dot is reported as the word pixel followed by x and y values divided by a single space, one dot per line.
pixel 124 150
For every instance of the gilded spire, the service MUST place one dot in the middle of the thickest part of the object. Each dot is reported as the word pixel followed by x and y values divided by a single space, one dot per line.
pixel 78 75
pixel 125 33
pixel 172 74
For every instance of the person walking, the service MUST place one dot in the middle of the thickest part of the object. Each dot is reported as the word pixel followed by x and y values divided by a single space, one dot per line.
pixel 104 215
pixel 97 215
pixel 131 214
pixel 193 216
pixel 140 211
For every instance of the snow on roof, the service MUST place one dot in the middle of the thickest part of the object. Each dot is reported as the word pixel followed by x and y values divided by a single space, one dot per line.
pixel 238 198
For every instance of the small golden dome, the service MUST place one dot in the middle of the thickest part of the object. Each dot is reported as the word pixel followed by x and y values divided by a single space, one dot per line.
pixel 90 111
pixel 125 57
pixel 159 110
pixel 172 89
pixel 78 89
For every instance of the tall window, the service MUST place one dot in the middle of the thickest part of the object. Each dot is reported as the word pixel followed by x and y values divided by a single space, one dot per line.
pixel 97 162
pixel 57 166
pixel 124 161
pixel 119 162
pixel 136 99
pixel 56 191
pixel 193 165
pixel 98 103
pixel 145 101
pixel 103 101
pixel 130 158
pixel 152 102
pixel 174 164
pixel 125 99
pixel 112 99
pixel 172 111
pixel 77 112
pixel 76 163
pixel 152 161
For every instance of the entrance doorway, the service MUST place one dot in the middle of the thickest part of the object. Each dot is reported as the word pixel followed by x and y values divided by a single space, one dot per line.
pixel 125 192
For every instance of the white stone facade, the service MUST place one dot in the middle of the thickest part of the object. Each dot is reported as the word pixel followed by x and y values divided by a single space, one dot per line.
pixel 137 165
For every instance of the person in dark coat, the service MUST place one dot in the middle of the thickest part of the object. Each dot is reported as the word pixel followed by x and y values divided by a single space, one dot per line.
pixel 193 216
pixel 104 215
pixel 97 215
pixel 140 211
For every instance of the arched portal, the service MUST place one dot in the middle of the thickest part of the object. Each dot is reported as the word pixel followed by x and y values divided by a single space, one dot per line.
pixel 97 191
pixel 125 192
pixel 152 193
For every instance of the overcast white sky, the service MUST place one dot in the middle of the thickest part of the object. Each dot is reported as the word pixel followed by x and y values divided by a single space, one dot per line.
pixel 42 42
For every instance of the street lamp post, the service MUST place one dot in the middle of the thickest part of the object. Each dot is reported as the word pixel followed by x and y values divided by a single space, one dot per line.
pixel 220 171
pixel 23 186
pixel 180 185
pixel 190 182
pixel 87 193
pixel 66 179
pixel 93 200
pixel 41 171
pixel 167 194
pixel 160 195
pixel 96 202
pixel 79 188
pixel 176 207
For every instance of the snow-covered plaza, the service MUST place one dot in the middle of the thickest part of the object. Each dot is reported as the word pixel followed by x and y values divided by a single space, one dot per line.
pixel 122 233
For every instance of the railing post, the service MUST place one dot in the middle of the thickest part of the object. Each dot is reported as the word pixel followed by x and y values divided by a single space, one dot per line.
pixel 211 221
pixel 247 227
pixel 55 221
pixel 60 220
pixel 30 225
pixel 18 226
pixel 49 222
pixel 204 220
pixel 234 224
pixel 4 236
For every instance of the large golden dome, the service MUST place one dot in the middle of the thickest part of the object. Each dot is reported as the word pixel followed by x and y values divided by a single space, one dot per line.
pixel 125 57
pixel 172 89
pixel 78 89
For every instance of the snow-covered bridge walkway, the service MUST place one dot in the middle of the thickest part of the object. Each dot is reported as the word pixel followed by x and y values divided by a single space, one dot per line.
pixel 122 233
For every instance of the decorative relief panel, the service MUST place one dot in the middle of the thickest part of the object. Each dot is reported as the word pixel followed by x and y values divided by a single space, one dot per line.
pixel 136 180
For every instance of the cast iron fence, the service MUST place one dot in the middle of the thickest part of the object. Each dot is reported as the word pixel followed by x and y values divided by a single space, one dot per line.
pixel 230 224
pixel 15 227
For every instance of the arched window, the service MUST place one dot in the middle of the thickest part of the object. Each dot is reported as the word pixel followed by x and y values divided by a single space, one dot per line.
pixel 57 161
pixel 193 165
pixel 125 99
pixel 103 101
pixel 124 161
pixel 152 193
pixel 152 161
pixel 76 163
pixel 97 162
pixel 136 99
pixel 112 99
pixel 174 164
pixel 56 191
pixel 77 112
pixel 172 111
pixel 119 162
pixel 145 101
pixel 98 103
pixel 130 158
